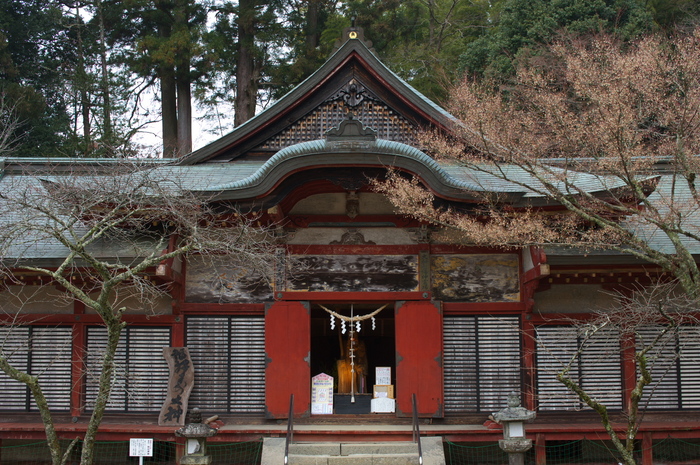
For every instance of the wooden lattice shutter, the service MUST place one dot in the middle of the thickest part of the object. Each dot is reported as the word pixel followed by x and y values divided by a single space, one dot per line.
pixel 141 377
pixel 40 351
pixel 597 369
pixel 689 349
pixel 228 354
pixel 662 360
pixel 482 362
pixel 674 362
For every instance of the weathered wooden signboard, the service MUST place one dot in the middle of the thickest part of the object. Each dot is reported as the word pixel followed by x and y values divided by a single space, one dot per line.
pixel 476 277
pixel 353 273
pixel 222 281
pixel 179 386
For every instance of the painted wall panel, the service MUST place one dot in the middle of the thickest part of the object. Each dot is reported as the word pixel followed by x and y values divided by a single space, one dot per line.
pixel 221 280
pixel 353 273
pixel 476 277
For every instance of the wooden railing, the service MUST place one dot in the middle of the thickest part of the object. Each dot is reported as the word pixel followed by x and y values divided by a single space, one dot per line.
pixel 416 430
pixel 290 430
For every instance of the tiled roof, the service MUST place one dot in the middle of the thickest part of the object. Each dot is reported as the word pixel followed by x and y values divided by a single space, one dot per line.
pixel 35 243
pixel 240 177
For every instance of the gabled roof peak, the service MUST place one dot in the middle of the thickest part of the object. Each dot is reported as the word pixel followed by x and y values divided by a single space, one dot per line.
pixel 352 73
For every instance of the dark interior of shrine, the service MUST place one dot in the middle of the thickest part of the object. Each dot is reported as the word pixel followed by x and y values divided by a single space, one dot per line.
pixel 327 343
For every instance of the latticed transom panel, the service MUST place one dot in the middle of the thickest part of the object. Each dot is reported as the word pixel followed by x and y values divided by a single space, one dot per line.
pixel 373 114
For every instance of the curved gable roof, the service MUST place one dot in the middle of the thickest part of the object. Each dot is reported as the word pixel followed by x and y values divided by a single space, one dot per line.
pixel 353 52
pixel 324 153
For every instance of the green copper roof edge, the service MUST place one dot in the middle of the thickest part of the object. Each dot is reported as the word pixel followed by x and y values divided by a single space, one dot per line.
pixel 320 146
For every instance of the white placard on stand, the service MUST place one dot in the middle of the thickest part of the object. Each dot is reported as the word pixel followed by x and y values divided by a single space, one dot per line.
pixel 383 375
pixel 141 447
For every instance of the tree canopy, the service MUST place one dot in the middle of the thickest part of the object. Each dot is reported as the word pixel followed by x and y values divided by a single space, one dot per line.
pixel 87 77
pixel 611 138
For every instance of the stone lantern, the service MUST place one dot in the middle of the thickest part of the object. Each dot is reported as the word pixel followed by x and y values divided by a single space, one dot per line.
pixel 195 433
pixel 513 419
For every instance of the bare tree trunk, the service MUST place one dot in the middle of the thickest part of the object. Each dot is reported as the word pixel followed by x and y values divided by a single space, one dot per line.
pixel 168 97
pixel 183 84
pixel 312 26
pixel 246 79
pixel 107 131
pixel 114 329
pixel 184 115
pixel 81 76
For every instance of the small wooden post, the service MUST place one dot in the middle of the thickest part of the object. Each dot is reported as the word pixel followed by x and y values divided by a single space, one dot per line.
pixel 78 368
pixel 179 448
pixel 647 451
pixel 540 449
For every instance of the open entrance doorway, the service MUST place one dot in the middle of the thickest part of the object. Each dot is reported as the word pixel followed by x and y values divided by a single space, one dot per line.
pixel 374 346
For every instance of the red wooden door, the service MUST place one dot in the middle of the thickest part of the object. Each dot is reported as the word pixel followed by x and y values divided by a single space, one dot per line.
pixel 419 358
pixel 287 349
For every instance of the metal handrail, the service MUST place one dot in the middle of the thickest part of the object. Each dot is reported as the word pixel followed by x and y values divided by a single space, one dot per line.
pixel 290 430
pixel 416 430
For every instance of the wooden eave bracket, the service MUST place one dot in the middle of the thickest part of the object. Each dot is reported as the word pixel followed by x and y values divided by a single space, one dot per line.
pixel 535 274
pixel 166 272
pixel 531 278
pixel 165 269
pixel 540 267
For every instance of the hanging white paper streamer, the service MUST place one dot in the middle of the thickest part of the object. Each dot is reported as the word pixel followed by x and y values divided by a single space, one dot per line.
pixel 332 322
pixel 374 324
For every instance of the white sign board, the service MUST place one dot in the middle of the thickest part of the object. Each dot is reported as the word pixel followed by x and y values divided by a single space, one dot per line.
pixel 383 405
pixel 383 375
pixel 322 394
pixel 140 447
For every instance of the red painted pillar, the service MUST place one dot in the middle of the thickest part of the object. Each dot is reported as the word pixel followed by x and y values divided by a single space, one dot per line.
pixel 178 332
pixel 287 350
pixel 78 369
pixel 540 449
pixel 629 369
pixel 419 358
pixel 647 449
pixel 529 348
pixel 179 448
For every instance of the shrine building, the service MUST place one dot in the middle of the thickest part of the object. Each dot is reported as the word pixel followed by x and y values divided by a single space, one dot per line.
pixel 360 294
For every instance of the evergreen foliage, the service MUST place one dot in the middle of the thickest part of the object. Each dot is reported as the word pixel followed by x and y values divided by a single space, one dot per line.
pixel 79 74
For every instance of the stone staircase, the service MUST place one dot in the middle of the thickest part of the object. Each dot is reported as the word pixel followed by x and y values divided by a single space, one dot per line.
pixel 353 453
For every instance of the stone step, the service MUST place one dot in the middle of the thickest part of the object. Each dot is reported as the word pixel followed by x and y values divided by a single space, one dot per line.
pixel 355 453
pixel 314 448
pixel 348 453
pixel 379 448
pixel 354 459
pixel 353 448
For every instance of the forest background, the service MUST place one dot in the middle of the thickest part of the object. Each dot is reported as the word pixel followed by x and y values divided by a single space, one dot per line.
pixel 92 78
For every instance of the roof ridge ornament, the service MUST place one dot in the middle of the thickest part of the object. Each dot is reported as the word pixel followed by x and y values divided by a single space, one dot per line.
pixel 353 33
pixel 353 93
pixel 351 130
